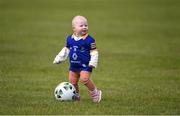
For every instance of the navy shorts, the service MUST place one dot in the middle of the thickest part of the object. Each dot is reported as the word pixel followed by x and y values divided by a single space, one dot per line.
pixel 75 69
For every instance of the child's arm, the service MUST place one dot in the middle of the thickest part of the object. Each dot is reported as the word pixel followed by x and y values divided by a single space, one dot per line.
pixel 94 59
pixel 62 56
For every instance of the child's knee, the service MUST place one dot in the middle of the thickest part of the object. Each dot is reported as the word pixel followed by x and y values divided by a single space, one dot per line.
pixel 85 77
pixel 84 80
pixel 73 82
pixel 74 78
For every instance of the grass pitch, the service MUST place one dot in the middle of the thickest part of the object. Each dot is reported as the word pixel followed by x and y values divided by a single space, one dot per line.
pixel 138 42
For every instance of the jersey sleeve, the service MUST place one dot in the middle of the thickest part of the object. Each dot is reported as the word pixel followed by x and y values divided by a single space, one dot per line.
pixel 92 44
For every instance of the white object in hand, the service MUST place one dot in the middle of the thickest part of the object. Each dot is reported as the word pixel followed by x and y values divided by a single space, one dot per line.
pixel 62 56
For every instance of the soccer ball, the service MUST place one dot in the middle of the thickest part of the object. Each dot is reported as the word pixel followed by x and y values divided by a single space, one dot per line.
pixel 65 91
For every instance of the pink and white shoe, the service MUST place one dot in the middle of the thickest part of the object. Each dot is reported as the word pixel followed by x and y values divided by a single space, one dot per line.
pixel 96 95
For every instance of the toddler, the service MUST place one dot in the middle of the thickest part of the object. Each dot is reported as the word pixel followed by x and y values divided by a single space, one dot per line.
pixel 83 56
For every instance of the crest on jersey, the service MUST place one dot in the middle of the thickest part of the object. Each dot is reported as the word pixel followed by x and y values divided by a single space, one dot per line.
pixel 82 48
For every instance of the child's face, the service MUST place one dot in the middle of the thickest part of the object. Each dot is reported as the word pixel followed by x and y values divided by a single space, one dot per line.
pixel 80 27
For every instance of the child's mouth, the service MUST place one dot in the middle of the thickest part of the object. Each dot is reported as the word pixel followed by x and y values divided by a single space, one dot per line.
pixel 84 31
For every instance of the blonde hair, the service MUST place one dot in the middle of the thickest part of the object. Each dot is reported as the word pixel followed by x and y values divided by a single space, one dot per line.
pixel 77 18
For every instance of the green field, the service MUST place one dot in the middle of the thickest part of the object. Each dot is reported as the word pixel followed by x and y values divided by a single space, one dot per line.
pixel 138 42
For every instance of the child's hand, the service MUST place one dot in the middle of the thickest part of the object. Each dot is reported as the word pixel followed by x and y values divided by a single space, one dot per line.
pixel 62 56
pixel 91 66
pixel 57 60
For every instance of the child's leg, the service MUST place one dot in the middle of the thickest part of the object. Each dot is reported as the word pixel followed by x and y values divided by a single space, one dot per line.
pixel 73 79
pixel 94 92
pixel 85 79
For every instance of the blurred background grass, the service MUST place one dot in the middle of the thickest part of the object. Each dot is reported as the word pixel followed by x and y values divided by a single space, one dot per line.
pixel 139 66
